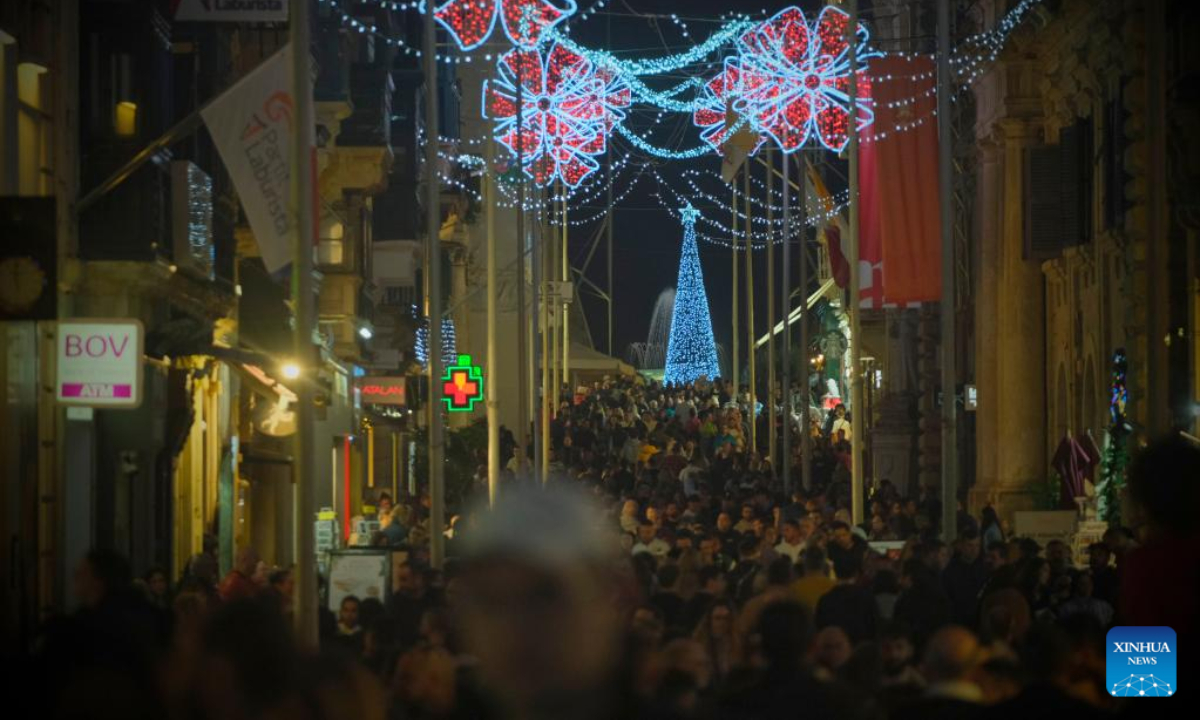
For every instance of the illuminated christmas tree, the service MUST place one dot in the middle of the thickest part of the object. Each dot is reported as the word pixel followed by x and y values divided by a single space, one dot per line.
pixel 691 350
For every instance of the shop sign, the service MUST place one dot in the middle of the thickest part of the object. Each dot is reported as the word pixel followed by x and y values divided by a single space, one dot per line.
pixel 383 390
pixel 100 363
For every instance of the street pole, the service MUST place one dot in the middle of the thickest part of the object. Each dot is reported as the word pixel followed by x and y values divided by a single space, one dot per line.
pixel 541 436
pixel 949 341
pixel 855 349
pixel 304 489
pixel 733 241
pixel 493 291
pixel 608 223
pixel 785 356
pixel 433 250
pixel 772 415
pixel 750 306
pixel 806 363
pixel 566 314
pixel 524 373
pixel 555 329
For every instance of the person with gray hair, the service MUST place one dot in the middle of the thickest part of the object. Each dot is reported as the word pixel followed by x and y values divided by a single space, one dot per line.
pixel 537 607
pixel 951 659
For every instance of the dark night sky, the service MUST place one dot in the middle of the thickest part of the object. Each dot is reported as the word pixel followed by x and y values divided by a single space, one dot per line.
pixel 646 238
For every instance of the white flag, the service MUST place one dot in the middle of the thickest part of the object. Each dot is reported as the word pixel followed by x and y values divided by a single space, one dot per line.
pixel 252 125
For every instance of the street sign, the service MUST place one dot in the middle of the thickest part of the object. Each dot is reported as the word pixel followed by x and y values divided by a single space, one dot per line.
pixel 380 390
pixel 462 385
pixel 100 363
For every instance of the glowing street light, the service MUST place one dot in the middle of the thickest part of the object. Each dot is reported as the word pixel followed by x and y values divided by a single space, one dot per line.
pixel 290 370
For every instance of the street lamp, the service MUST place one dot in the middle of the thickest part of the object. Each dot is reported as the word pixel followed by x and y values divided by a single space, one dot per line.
pixel 290 370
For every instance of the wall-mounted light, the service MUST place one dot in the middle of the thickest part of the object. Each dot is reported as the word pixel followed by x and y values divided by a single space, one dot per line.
pixel 290 370
pixel 365 333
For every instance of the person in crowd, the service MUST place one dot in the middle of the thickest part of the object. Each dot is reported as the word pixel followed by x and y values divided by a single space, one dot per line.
pixel 964 577
pixel 848 605
pixel 792 543
pixel 239 583
pixel 922 605
pixel 846 549
pixel 948 667
pixel 1164 483
pixel 1105 583
pixel 1083 602
pixel 157 587
pixel 650 542
pixel 897 654
pixel 815 581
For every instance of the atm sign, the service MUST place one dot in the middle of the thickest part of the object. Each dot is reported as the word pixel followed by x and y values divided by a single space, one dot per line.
pixel 382 390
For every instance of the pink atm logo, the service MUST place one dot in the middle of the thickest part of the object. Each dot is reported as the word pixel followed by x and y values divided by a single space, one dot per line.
pixel 100 363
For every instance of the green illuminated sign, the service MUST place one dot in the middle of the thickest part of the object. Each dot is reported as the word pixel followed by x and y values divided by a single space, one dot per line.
pixel 462 385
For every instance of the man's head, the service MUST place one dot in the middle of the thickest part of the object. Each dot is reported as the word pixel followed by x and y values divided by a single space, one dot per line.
pixel 246 561
pixel 348 612
pixel 950 655
pixel 724 522
pixel 842 535
pixel 967 546
pixel 100 575
pixel 831 648
pixel 895 648
pixel 409 581
pixel 1098 556
pixel 1058 555
pixel 646 532
pixel 747 512
pixel 385 504
pixel 284 582
pixel 791 532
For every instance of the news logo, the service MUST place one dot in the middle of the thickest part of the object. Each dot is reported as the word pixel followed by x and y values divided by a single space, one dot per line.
pixel 1141 662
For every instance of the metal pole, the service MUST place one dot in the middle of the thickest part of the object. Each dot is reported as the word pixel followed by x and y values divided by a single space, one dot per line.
pixel 566 314
pixel 302 345
pixel 772 415
pixel 433 221
pixel 541 356
pixel 524 373
pixel 493 290
pixel 805 363
pixel 750 307
pixel 949 361
pixel 555 328
pixel 785 356
pixel 733 241
pixel 608 225
pixel 854 351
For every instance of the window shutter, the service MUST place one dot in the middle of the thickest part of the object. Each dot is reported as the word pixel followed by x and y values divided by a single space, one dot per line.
pixel 1042 201
pixel 1070 185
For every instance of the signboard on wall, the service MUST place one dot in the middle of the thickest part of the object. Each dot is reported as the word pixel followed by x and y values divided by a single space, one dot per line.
pixel 100 363
pixel 231 10
pixel 363 574
pixel 383 390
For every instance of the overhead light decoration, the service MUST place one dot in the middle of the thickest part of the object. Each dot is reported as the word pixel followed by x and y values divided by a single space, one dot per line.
pixel 471 22
pixel 712 117
pixel 462 385
pixel 567 107
pixel 793 79
pixel 691 348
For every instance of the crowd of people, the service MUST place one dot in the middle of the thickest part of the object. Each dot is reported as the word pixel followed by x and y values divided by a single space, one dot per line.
pixel 663 572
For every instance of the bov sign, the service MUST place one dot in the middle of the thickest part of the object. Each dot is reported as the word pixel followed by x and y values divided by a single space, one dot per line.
pixel 1141 662
pixel 99 363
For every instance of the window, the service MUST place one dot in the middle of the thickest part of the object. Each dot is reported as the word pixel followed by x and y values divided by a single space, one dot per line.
pixel 1058 193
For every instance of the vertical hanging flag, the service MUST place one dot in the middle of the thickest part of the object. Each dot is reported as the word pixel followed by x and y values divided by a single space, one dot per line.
pixel 905 169
pixel 252 125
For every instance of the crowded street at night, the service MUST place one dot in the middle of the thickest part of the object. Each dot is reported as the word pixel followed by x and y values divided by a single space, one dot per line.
pixel 600 359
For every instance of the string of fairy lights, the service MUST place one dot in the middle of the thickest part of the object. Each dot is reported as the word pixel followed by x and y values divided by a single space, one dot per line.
pixel 579 103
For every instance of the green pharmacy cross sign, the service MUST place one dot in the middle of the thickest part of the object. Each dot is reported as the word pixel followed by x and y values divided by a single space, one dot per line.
pixel 462 385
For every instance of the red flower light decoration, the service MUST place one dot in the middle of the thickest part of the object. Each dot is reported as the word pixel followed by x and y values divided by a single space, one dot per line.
pixel 712 115
pixel 794 79
pixel 471 22
pixel 568 106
